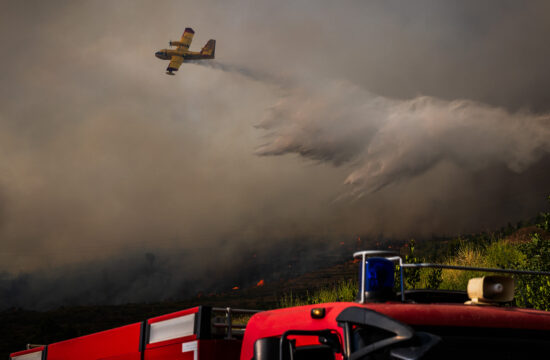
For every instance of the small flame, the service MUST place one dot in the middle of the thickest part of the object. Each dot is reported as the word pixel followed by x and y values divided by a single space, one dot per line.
pixel 235 288
pixel 260 283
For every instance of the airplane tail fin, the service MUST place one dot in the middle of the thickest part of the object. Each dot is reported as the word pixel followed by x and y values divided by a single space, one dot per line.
pixel 209 49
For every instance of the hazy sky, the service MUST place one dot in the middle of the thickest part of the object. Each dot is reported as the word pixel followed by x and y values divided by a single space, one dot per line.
pixel 318 119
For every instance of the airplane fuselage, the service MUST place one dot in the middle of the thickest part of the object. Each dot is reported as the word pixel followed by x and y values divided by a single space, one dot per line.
pixel 166 54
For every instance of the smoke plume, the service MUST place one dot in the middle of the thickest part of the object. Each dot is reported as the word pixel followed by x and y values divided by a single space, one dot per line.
pixel 385 141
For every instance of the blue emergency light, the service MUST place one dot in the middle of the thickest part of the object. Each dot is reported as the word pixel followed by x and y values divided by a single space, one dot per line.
pixel 376 279
pixel 379 274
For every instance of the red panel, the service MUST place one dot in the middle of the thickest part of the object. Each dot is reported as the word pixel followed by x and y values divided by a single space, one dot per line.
pixel 305 340
pixel 120 343
pixel 173 315
pixel 219 349
pixel 466 315
pixel 207 350
pixel 172 352
pixel 23 352
pixel 122 357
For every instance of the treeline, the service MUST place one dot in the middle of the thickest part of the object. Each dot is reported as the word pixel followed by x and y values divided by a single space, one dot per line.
pixel 525 247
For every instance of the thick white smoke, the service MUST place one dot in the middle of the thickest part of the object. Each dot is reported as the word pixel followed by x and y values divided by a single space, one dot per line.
pixel 386 141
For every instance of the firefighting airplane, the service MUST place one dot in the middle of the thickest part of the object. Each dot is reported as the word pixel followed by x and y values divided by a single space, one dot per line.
pixel 181 53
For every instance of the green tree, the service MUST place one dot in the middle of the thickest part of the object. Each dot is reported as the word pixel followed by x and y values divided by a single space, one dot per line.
pixel 544 223
pixel 434 278
pixel 412 275
pixel 534 291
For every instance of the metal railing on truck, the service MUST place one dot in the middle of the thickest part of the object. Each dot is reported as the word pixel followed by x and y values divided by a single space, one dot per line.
pixel 393 256
pixel 227 321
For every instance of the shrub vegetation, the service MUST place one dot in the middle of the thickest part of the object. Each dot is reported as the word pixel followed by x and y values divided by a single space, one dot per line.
pixel 484 250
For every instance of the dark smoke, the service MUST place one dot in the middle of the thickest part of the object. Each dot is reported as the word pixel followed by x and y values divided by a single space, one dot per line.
pixel 175 275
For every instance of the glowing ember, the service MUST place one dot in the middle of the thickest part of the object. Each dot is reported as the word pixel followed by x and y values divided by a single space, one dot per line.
pixel 260 283
pixel 235 288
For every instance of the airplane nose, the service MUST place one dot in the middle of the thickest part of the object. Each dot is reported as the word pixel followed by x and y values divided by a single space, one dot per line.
pixel 158 54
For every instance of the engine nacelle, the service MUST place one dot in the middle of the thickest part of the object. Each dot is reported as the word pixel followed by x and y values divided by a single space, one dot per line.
pixel 176 43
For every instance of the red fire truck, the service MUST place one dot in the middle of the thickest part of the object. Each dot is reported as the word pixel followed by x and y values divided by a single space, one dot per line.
pixel 380 325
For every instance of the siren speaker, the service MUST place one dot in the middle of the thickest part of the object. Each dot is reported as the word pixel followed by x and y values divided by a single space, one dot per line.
pixel 491 289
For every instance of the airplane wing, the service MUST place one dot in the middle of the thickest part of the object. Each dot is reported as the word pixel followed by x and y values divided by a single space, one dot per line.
pixel 187 37
pixel 175 64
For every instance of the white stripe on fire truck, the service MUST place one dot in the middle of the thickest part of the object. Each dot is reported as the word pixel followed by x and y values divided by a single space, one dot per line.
pixel 190 346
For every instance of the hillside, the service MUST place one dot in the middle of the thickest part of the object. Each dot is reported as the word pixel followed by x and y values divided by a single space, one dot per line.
pixel 24 326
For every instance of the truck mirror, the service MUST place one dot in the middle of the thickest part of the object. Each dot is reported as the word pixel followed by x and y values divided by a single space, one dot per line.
pixel 332 341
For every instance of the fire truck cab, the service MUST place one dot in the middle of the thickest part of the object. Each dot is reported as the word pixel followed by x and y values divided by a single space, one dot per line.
pixel 394 330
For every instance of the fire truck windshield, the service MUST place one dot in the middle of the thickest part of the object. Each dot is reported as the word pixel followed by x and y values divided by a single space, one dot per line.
pixel 431 343
pixel 488 343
